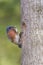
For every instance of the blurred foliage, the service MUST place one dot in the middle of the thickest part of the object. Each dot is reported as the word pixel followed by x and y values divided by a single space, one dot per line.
pixel 9 9
pixel 9 15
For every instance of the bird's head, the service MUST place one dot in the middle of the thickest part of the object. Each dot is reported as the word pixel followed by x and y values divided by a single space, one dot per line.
pixel 11 32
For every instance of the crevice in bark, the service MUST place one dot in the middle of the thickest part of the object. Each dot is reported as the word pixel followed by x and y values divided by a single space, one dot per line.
pixel 24 25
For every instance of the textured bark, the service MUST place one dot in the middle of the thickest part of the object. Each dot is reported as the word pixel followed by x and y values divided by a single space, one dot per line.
pixel 32 38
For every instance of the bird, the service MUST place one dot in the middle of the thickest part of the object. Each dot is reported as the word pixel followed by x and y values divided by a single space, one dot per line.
pixel 14 36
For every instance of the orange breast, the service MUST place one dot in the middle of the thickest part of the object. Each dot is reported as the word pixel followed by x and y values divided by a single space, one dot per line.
pixel 11 34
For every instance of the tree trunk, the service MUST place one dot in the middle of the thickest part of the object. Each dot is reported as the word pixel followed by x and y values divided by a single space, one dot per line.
pixel 32 28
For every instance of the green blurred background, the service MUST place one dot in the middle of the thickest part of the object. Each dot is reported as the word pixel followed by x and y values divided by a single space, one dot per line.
pixel 10 54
